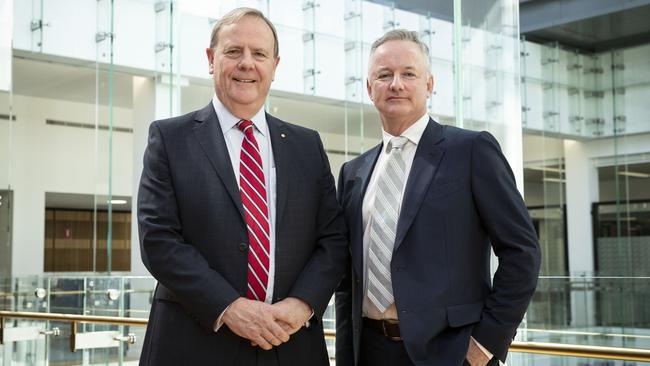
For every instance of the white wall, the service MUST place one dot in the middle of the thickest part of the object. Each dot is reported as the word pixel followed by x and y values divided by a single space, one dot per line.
pixel 49 158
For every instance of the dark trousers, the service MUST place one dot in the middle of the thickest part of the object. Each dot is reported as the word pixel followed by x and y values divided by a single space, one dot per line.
pixel 377 350
pixel 256 356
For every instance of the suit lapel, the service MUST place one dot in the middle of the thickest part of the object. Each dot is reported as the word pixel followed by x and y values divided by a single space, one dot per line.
pixel 363 177
pixel 208 133
pixel 425 164
pixel 279 136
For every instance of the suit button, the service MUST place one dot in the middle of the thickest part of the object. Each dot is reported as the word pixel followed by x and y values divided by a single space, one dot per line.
pixel 243 247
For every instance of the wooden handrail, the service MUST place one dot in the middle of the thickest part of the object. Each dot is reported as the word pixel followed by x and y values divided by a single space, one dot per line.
pixel 555 349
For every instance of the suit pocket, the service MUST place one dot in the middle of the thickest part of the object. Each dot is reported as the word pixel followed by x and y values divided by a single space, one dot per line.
pixel 442 189
pixel 464 314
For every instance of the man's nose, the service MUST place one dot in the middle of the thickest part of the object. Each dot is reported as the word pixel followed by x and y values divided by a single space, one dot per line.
pixel 396 83
pixel 247 61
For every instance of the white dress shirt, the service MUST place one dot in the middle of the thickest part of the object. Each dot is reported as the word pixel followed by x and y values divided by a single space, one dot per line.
pixel 413 134
pixel 234 138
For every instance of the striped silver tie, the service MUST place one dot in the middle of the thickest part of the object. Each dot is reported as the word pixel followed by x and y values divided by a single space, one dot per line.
pixel 383 226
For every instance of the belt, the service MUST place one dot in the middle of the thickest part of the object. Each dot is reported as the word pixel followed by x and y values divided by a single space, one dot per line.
pixel 388 327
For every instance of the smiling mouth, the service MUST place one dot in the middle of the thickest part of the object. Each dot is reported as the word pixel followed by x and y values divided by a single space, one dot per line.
pixel 248 81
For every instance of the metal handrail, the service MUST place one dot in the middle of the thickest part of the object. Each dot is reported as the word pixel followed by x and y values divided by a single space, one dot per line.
pixel 555 349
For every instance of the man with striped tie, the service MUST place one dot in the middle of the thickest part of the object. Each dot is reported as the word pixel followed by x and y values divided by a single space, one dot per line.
pixel 423 209
pixel 238 220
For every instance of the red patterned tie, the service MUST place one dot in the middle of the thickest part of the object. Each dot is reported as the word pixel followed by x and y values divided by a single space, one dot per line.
pixel 252 189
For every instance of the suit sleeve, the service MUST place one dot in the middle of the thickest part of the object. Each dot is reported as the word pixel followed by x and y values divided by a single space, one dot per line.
pixel 343 299
pixel 324 270
pixel 514 241
pixel 176 264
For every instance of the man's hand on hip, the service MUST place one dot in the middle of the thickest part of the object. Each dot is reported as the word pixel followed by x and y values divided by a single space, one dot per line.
pixel 256 321
pixel 475 355
pixel 293 313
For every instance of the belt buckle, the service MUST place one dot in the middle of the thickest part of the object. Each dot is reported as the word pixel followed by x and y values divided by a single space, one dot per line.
pixel 383 327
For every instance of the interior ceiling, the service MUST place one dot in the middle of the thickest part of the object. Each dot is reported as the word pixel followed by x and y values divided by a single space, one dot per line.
pixel 76 83
pixel 589 25
pixel 620 29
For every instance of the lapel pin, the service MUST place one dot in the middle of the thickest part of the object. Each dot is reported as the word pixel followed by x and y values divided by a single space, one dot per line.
pixel 283 135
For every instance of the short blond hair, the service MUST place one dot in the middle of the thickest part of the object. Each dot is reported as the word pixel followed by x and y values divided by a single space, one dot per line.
pixel 236 15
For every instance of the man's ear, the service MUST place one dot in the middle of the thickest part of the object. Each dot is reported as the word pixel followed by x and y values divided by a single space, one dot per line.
pixel 210 54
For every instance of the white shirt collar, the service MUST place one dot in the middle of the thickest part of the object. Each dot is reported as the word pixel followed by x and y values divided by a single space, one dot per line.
pixel 228 121
pixel 413 133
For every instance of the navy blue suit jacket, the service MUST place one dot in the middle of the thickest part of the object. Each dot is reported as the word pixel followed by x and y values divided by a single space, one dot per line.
pixel 460 200
pixel 194 240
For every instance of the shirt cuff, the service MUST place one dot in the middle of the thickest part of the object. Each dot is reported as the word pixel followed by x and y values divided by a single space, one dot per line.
pixel 219 322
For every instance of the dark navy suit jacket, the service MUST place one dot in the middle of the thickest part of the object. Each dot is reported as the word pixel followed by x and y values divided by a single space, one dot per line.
pixel 194 240
pixel 460 200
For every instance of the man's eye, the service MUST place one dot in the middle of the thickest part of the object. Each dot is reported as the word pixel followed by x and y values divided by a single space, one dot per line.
pixel 383 76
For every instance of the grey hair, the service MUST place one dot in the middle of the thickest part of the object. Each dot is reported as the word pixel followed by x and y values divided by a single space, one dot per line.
pixel 234 16
pixel 402 35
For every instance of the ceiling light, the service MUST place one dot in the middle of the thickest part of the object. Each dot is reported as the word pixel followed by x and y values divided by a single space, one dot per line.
pixel 634 174
pixel 546 169
pixel 554 180
pixel 117 202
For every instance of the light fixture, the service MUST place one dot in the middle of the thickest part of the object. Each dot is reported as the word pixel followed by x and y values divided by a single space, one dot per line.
pixel 117 202
pixel 554 180
pixel 546 169
pixel 634 174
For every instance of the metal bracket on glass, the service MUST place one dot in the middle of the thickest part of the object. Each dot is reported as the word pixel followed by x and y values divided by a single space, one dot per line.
pixel 619 67
pixel 550 60
pixel 390 24
pixel 351 15
pixel 492 104
pixel 350 45
pixel 40 293
pixel 129 338
pixel 594 70
pixel 159 6
pixel 525 109
pixel 161 46
pixel 550 114
pixel 309 5
pixel 54 332
pixel 594 94
pixel 101 36
pixel 307 36
pixel 576 118
pixel 620 91
pixel 596 121
pixel 573 67
pixel 352 80
pixel 112 294
pixel 524 54
pixel 310 72
pixel 573 90
pixel 35 25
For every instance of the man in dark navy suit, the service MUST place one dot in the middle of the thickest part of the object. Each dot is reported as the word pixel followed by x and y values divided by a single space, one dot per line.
pixel 423 209
pixel 238 220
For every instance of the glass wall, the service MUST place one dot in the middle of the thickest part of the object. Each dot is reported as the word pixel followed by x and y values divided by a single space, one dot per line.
pixel 81 81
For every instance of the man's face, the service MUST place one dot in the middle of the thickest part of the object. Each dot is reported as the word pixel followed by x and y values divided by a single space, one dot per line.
pixel 399 81
pixel 243 65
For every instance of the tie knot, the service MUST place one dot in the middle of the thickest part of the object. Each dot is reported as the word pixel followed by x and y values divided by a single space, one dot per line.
pixel 245 126
pixel 397 143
